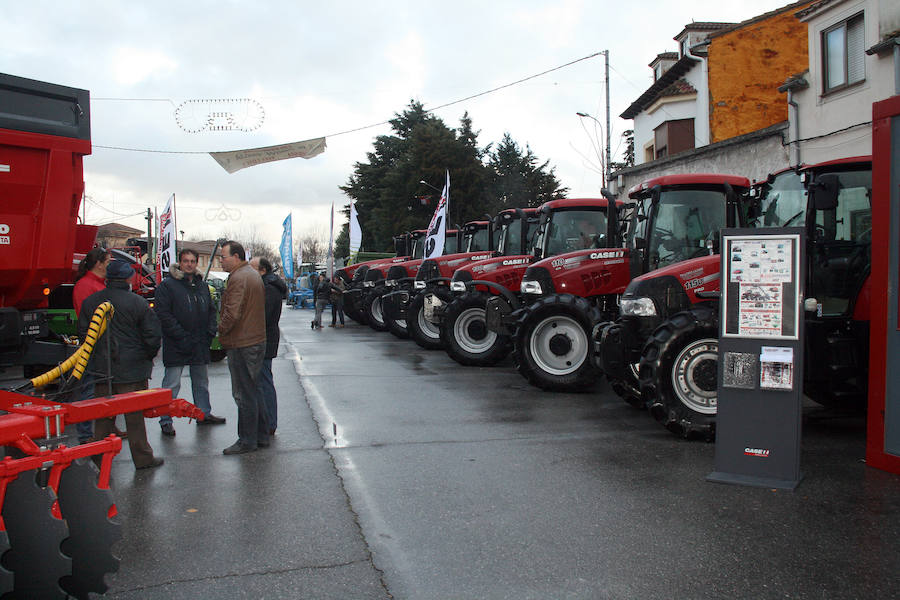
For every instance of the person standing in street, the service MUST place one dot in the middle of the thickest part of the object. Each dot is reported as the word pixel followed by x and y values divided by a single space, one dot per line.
pixel 338 287
pixel 91 278
pixel 242 332
pixel 135 340
pixel 276 290
pixel 321 293
pixel 188 319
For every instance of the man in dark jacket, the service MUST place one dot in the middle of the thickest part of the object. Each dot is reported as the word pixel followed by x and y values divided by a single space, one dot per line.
pixel 188 318
pixel 321 295
pixel 276 290
pixel 134 340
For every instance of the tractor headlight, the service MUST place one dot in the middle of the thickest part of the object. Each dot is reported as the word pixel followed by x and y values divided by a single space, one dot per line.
pixel 419 285
pixel 457 286
pixel 531 287
pixel 390 282
pixel 368 284
pixel 638 307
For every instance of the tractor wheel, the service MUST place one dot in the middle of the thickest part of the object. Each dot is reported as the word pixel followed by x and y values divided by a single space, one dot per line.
pixel 421 330
pixel 628 389
pixel 371 308
pixel 465 336
pixel 356 315
pixel 552 343
pixel 678 372
pixel 397 327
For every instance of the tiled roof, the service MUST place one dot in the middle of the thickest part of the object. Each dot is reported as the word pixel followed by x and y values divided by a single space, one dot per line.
pixel 653 92
pixel 678 88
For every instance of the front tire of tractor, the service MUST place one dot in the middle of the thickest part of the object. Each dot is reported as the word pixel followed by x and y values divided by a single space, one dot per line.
pixel 628 389
pixel 552 344
pixel 422 331
pixel 678 373
pixel 371 308
pixel 465 335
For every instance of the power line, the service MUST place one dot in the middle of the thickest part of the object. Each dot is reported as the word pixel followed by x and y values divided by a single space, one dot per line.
pixel 382 123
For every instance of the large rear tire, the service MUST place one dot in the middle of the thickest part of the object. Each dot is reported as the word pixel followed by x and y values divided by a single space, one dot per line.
pixel 465 335
pixel 371 308
pixel 552 344
pixel 629 388
pixel 678 373
pixel 422 331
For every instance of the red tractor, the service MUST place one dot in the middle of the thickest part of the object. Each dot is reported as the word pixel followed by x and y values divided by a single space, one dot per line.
pixel 58 519
pixel 568 295
pixel 670 318
pixel 461 321
pixel 409 246
pixel 476 241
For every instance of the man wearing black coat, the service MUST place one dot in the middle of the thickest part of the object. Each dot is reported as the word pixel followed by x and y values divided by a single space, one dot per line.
pixel 188 317
pixel 124 353
pixel 276 290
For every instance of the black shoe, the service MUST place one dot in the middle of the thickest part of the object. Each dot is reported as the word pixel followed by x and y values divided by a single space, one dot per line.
pixel 153 464
pixel 312 324
pixel 212 419
pixel 238 448
pixel 262 444
pixel 168 429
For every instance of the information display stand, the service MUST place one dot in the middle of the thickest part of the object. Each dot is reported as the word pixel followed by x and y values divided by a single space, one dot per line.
pixel 760 380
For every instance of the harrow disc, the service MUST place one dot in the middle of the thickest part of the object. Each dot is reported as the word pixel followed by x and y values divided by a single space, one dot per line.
pixel 35 536
pixel 92 533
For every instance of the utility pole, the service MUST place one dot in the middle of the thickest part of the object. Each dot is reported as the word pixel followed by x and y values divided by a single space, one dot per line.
pixel 607 172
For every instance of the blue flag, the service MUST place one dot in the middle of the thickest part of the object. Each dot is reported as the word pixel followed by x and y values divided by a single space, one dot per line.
pixel 287 249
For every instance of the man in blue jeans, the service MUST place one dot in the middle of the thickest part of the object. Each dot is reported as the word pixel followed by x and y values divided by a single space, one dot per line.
pixel 242 332
pixel 188 318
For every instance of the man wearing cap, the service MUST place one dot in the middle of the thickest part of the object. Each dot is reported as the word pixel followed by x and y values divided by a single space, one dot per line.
pixel 135 335
pixel 242 332
pixel 188 318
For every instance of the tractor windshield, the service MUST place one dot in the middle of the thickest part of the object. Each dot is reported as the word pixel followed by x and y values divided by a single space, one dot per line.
pixel 782 203
pixel 418 247
pixel 680 224
pixel 570 230
pixel 478 242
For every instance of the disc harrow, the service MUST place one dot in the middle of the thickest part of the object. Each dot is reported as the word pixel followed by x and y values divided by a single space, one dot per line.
pixel 58 518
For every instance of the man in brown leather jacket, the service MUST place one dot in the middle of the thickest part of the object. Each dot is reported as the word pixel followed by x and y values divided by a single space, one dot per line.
pixel 242 332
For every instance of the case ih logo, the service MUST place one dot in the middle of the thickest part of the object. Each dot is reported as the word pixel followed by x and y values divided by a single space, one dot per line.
pixel 758 452
pixel 607 254
pixel 480 257
pixel 4 233
pixel 515 261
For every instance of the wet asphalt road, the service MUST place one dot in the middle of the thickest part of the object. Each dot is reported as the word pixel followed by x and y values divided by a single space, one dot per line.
pixel 398 473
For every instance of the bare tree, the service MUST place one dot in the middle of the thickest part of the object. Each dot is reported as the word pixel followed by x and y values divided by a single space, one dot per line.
pixel 315 245
pixel 254 244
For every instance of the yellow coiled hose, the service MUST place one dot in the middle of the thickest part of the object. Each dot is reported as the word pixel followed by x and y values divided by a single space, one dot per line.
pixel 79 359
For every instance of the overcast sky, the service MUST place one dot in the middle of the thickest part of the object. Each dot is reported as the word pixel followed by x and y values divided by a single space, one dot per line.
pixel 318 69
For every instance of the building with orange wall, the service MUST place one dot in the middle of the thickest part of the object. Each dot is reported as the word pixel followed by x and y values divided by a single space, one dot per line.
pixel 746 65
pixel 724 83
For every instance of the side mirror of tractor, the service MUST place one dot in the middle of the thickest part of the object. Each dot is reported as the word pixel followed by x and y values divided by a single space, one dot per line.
pixel 824 191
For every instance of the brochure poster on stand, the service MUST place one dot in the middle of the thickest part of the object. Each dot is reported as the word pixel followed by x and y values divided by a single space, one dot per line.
pixel 760 294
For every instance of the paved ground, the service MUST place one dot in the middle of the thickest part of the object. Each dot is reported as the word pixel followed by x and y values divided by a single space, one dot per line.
pixel 398 473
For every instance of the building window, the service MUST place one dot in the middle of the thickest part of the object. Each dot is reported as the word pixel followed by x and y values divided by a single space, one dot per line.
pixel 673 137
pixel 843 53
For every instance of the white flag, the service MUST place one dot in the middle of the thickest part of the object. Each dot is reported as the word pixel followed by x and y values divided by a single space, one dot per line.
pixel 166 257
pixel 434 242
pixel 355 232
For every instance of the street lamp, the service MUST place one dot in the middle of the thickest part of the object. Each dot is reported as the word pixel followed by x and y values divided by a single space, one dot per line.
pixel 431 186
pixel 604 163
